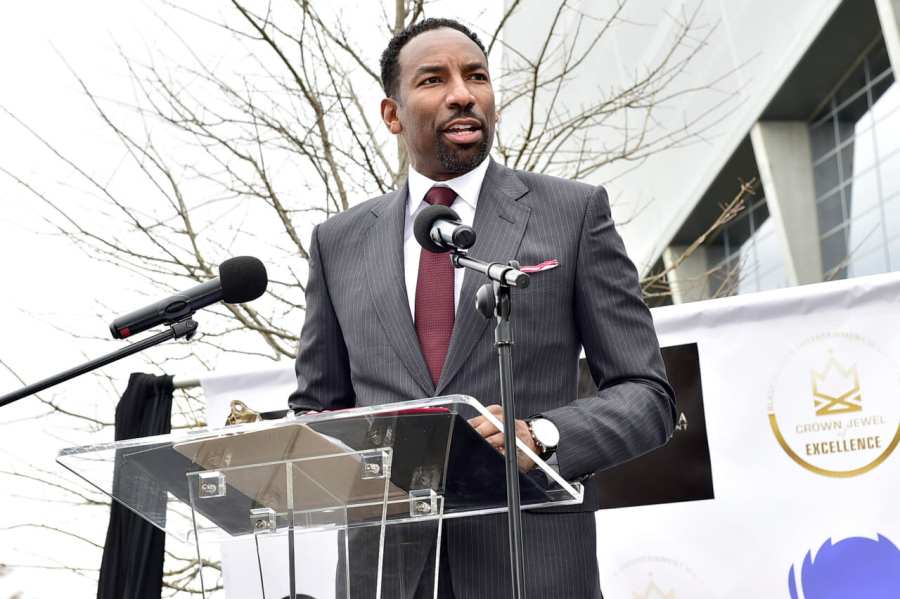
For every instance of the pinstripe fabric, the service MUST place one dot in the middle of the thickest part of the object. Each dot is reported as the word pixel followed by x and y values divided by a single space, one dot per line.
pixel 560 556
pixel 359 347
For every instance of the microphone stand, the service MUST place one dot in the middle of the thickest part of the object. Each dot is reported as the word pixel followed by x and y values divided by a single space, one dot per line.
pixel 493 299
pixel 183 328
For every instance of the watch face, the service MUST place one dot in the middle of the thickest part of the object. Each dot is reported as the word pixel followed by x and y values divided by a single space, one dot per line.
pixel 545 432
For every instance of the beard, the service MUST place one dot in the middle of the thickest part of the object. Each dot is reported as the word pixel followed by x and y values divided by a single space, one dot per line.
pixel 458 161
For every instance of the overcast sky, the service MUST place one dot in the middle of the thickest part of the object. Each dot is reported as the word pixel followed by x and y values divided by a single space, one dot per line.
pixel 51 289
pixel 47 284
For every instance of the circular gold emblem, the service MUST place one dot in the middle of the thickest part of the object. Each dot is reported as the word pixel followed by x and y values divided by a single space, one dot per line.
pixel 834 406
pixel 655 577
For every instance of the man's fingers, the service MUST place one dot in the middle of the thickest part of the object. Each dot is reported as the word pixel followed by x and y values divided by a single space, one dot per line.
pixel 496 440
pixel 493 435
pixel 484 427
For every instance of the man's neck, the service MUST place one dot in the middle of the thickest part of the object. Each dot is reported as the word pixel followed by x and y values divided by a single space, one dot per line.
pixel 467 185
pixel 446 177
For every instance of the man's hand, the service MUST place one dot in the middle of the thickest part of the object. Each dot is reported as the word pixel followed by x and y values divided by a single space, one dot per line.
pixel 493 436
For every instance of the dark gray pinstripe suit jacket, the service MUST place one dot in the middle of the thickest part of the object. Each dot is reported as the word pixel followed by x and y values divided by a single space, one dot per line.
pixel 358 347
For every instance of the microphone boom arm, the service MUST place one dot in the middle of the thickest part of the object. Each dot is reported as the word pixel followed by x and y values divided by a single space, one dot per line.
pixel 183 328
pixel 495 271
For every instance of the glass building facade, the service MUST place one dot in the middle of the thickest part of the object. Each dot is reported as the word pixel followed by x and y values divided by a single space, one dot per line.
pixel 746 255
pixel 855 140
pixel 855 145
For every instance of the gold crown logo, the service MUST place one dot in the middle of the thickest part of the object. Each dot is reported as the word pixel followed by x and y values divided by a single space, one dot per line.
pixel 836 389
pixel 654 592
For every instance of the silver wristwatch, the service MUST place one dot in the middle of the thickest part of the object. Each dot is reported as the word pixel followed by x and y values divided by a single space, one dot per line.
pixel 545 436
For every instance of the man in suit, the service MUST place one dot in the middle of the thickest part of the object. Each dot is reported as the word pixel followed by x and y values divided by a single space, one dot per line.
pixel 387 321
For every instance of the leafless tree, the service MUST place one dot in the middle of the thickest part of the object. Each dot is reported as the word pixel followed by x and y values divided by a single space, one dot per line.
pixel 721 280
pixel 287 141
pixel 257 149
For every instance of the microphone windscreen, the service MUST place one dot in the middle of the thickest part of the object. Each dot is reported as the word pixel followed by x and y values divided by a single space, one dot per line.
pixel 425 220
pixel 243 279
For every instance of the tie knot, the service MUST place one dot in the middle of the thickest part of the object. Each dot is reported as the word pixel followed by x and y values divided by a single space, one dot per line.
pixel 442 196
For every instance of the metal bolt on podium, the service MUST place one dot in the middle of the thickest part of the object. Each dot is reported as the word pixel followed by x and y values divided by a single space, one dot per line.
pixel 376 465
pixel 262 520
pixel 422 502
pixel 212 484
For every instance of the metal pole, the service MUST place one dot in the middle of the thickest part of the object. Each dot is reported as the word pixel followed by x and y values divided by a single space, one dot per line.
pixel 494 300
pixel 503 342
pixel 292 575
pixel 183 328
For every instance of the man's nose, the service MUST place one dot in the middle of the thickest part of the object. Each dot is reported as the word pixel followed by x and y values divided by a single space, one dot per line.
pixel 459 95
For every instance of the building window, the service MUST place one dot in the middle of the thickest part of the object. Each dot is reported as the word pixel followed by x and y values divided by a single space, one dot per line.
pixel 855 140
pixel 745 256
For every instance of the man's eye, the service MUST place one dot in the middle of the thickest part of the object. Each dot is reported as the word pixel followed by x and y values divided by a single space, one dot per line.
pixel 431 80
pixel 479 76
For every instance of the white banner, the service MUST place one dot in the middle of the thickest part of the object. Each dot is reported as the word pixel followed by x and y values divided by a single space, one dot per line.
pixel 261 390
pixel 801 393
pixel 801 406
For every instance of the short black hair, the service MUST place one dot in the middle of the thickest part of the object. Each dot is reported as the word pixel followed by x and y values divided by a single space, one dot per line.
pixel 390 69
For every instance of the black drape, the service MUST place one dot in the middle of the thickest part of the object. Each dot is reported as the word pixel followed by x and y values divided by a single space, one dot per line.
pixel 133 553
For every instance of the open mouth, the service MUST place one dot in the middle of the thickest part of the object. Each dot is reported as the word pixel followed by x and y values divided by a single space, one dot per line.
pixel 463 131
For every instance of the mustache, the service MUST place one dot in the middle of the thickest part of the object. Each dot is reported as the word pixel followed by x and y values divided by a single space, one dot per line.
pixel 468 113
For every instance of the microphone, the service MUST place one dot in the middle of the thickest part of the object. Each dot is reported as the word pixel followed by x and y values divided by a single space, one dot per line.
pixel 241 279
pixel 438 229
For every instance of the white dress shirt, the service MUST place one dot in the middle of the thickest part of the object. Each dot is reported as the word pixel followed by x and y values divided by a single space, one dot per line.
pixel 467 188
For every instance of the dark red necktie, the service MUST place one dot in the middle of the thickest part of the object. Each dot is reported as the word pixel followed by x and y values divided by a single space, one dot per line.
pixel 435 310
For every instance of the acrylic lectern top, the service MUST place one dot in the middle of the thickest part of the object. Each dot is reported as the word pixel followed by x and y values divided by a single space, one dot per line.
pixel 386 463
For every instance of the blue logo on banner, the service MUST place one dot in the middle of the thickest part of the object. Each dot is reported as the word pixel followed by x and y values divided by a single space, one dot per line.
pixel 854 567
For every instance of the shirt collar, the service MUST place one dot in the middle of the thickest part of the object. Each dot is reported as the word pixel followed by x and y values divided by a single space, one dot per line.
pixel 466 186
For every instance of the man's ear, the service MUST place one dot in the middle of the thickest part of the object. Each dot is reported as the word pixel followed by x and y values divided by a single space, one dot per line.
pixel 389 115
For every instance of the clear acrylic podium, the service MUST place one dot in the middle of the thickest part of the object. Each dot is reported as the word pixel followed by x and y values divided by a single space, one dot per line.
pixel 344 504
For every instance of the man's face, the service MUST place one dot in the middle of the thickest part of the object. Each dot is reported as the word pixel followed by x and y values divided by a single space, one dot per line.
pixel 444 105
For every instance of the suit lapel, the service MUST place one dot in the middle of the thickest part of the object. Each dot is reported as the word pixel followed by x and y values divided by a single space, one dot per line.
pixel 500 222
pixel 387 285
